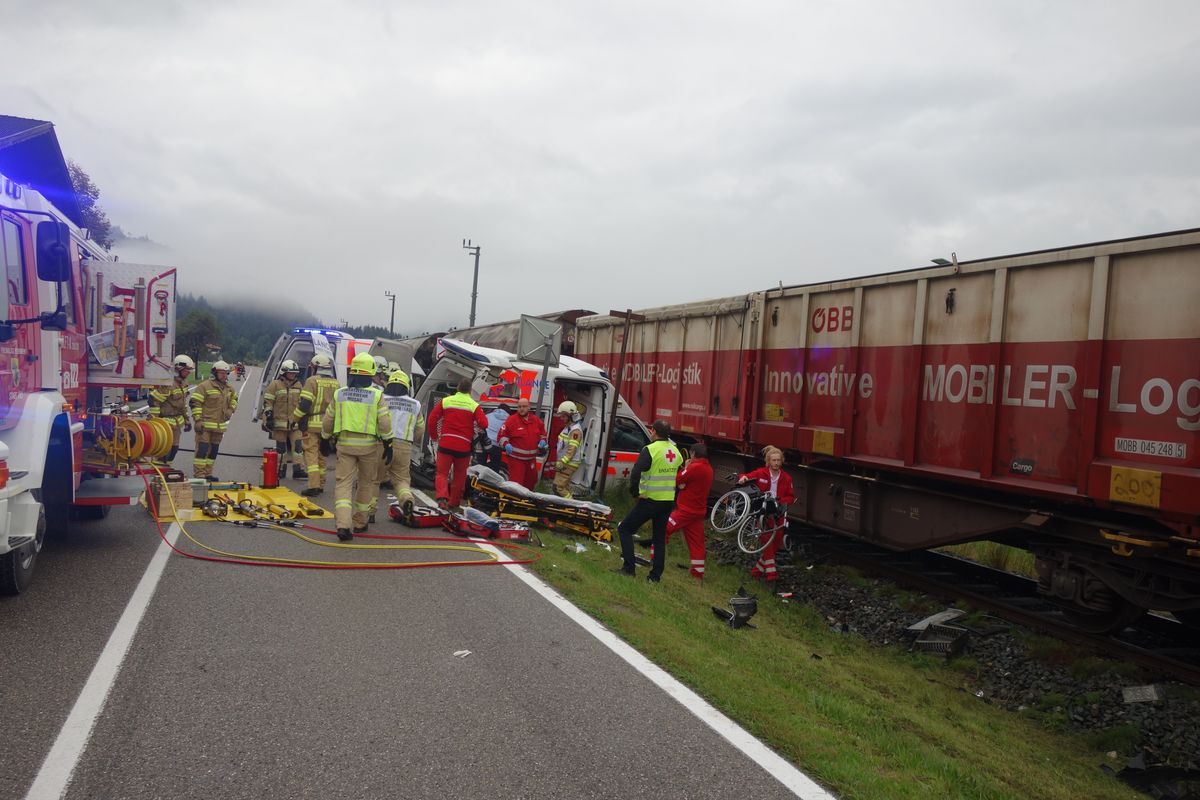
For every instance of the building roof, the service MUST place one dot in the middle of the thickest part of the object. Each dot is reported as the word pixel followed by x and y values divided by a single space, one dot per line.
pixel 30 154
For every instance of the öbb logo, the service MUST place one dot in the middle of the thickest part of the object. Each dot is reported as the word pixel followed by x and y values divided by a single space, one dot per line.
pixel 833 319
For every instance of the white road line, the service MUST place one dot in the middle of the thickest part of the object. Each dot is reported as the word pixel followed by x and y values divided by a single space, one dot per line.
pixel 55 775
pixel 776 766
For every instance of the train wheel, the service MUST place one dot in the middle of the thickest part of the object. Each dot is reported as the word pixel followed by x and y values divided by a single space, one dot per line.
pixel 1111 620
pixel 730 511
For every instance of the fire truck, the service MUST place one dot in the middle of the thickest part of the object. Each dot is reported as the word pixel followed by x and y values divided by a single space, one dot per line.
pixel 78 330
pixel 1049 400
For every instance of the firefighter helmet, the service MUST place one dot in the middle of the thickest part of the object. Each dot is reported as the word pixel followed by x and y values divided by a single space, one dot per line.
pixel 393 367
pixel 381 365
pixel 362 364
pixel 567 407
pixel 289 366
pixel 181 362
pixel 321 361
pixel 220 366
pixel 399 376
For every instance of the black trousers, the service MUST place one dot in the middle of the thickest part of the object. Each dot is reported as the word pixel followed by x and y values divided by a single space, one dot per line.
pixel 657 512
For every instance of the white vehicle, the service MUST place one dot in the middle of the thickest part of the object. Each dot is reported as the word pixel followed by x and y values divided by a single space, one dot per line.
pixel 301 344
pixel 500 376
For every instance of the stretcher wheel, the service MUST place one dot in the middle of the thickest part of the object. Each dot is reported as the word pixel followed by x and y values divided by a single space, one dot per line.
pixel 730 511
pixel 757 533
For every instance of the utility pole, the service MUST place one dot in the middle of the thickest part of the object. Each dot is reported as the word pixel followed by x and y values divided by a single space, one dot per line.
pixel 629 317
pixel 392 322
pixel 475 282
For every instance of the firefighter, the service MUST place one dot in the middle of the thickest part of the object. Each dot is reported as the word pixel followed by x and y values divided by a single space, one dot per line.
pixel 692 484
pixel 453 424
pixel 355 424
pixel 280 401
pixel 170 403
pixel 213 402
pixel 523 439
pixel 315 397
pixel 652 482
pixel 407 424
pixel 382 371
pixel 570 448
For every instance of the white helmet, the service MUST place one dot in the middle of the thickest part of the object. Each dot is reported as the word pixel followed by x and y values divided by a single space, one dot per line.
pixel 567 407
pixel 220 366
pixel 392 366
pixel 289 366
pixel 381 365
pixel 321 361
pixel 181 361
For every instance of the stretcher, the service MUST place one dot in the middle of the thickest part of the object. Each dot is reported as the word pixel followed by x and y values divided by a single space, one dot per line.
pixel 505 499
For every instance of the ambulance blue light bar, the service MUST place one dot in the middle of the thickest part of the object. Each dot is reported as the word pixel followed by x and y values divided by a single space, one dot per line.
pixel 326 333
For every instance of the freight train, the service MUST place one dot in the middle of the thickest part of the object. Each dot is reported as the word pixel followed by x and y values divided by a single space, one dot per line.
pixel 1047 400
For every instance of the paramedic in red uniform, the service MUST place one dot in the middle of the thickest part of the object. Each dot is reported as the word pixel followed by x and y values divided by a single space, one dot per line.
pixel 778 484
pixel 453 423
pixel 692 484
pixel 522 438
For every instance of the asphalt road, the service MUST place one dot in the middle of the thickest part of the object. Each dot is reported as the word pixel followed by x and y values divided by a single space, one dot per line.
pixel 254 682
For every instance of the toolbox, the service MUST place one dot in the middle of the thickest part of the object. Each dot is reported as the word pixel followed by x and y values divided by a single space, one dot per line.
pixel 170 495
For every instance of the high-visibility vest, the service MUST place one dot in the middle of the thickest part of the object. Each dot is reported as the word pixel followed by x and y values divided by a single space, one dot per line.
pixel 658 482
pixel 570 457
pixel 406 410
pixel 355 414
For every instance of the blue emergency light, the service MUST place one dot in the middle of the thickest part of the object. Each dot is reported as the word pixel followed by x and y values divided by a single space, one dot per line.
pixel 322 331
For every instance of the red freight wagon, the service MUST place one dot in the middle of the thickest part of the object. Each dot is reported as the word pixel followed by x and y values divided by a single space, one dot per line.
pixel 1049 399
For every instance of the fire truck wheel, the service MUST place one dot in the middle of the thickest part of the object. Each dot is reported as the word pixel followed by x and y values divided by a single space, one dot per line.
pixel 91 512
pixel 16 566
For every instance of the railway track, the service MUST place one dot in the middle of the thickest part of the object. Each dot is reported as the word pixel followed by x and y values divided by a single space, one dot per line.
pixel 1159 644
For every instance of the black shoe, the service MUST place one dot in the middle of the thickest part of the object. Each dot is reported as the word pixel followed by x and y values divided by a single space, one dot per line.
pixel 360 528
pixel 683 566
pixel 643 542
pixel 344 534
pixel 652 579
pixel 370 521
pixel 299 471
pixel 627 571
pixel 386 485
pixel 212 479
pixel 312 491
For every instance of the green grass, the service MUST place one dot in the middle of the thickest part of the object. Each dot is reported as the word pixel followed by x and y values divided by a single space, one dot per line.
pixel 994 554
pixel 865 721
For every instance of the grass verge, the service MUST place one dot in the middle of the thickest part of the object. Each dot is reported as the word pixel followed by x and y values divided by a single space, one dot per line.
pixel 865 722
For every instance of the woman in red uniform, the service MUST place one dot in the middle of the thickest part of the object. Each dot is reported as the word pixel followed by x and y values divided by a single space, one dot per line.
pixel 778 484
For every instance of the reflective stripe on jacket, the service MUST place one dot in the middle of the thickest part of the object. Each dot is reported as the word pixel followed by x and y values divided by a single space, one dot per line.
pixel 406 416
pixel 453 422
pixel 523 433
pixel 315 397
pixel 213 404
pixel 281 399
pixel 170 402
pixel 570 445
pixel 357 416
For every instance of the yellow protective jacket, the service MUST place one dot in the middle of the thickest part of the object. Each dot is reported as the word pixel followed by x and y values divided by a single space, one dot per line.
pixel 213 404
pixel 280 400
pixel 357 416
pixel 170 402
pixel 315 397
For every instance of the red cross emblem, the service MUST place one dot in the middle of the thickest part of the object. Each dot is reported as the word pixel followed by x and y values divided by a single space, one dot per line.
pixel 625 472
pixel 670 456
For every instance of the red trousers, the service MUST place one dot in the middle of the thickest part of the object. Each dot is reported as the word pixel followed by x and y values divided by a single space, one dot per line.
pixel 522 472
pixel 692 526
pixel 451 476
pixel 766 559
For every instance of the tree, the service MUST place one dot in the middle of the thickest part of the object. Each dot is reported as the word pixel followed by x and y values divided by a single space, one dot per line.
pixel 94 218
pixel 197 329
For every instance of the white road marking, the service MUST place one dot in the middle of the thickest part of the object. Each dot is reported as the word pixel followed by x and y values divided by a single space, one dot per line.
pixel 55 775
pixel 776 766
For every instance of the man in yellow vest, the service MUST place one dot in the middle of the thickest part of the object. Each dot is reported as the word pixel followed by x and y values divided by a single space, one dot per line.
pixel 407 423
pixel 315 397
pixel 652 482
pixel 356 423
pixel 570 448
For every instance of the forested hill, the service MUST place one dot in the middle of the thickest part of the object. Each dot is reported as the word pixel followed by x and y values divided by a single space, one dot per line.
pixel 244 332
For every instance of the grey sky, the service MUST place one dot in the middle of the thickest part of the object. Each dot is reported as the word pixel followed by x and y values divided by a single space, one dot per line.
pixel 607 155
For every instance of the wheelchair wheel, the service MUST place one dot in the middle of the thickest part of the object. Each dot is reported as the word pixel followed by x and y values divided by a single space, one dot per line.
pixel 730 511
pixel 756 534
